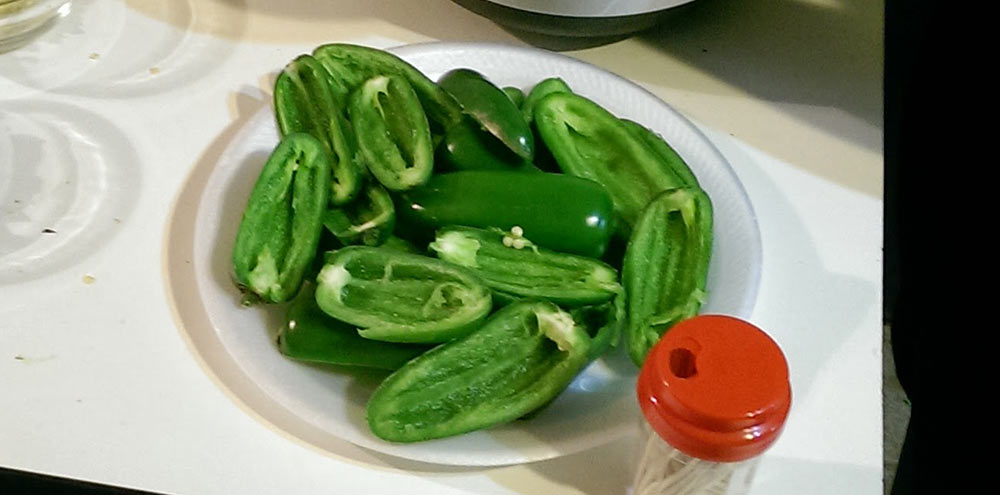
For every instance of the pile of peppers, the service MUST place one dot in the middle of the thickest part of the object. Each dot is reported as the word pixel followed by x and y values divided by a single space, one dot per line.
pixel 482 243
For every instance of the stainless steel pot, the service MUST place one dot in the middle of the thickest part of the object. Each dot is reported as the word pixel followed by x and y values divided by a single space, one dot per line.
pixel 575 18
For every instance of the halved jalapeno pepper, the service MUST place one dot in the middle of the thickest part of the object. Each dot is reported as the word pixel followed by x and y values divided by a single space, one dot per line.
pixel 543 156
pixel 311 335
pixel 666 266
pixel 544 88
pixel 395 296
pixel 523 357
pixel 668 156
pixel 588 141
pixel 352 65
pixel 392 131
pixel 560 212
pixel 281 225
pixel 305 102
pixel 369 219
pixel 510 264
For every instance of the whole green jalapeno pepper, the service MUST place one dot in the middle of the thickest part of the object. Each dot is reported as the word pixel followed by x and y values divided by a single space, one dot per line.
pixel 281 225
pixel 666 266
pixel 510 264
pixel 368 220
pixel 395 296
pixel 305 102
pixel 352 65
pixel 521 358
pixel 392 131
pixel 311 335
pixel 492 109
pixel 556 211
pixel 588 141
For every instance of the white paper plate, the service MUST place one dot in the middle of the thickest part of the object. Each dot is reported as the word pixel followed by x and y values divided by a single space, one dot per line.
pixel 308 401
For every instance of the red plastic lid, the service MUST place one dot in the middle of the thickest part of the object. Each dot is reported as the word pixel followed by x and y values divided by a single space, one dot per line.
pixel 716 387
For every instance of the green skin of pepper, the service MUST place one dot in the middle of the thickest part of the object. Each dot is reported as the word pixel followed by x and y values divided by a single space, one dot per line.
pixel 352 65
pixel 304 102
pixel 559 212
pixel 540 90
pixel 368 220
pixel 466 147
pixel 588 141
pixel 515 95
pixel 492 109
pixel 394 296
pixel 528 271
pixel 665 270
pixel 523 357
pixel 311 335
pixel 279 233
pixel 393 134
pixel 543 157
pixel 665 151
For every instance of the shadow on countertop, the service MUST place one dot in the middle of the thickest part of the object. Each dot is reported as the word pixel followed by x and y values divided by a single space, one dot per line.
pixel 813 52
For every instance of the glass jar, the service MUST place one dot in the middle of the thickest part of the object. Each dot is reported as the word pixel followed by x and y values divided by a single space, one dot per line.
pixel 714 394
pixel 19 19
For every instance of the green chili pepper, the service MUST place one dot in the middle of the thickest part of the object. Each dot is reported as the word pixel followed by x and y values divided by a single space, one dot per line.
pixel 400 244
pixel 304 102
pixel 392 130
pixel 510 264
pixel 280 229
pixel 524 356
pixel 369 219
pixel 588 141
pixel 556 211
pixel 466 147
pixel 400 297
pixel 666 266
pixel 667 154
pixel 311 335
pixel 544 88
pixel 603 322
pixel 515 94
pixel 491 108
pixel 352 65
pixel 543 156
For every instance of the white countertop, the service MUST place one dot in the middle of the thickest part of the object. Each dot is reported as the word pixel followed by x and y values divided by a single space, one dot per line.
pixel 124 99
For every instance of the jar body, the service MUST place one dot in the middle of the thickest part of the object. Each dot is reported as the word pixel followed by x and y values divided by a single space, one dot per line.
pixel 664 470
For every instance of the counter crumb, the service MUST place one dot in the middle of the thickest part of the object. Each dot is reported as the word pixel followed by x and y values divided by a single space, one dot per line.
pixel 48 231
pixel 94 56
pixel 154 70
pixel 88 279
pixel 19 357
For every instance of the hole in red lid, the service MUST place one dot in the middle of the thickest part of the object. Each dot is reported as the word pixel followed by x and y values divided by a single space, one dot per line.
pixel 682 363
